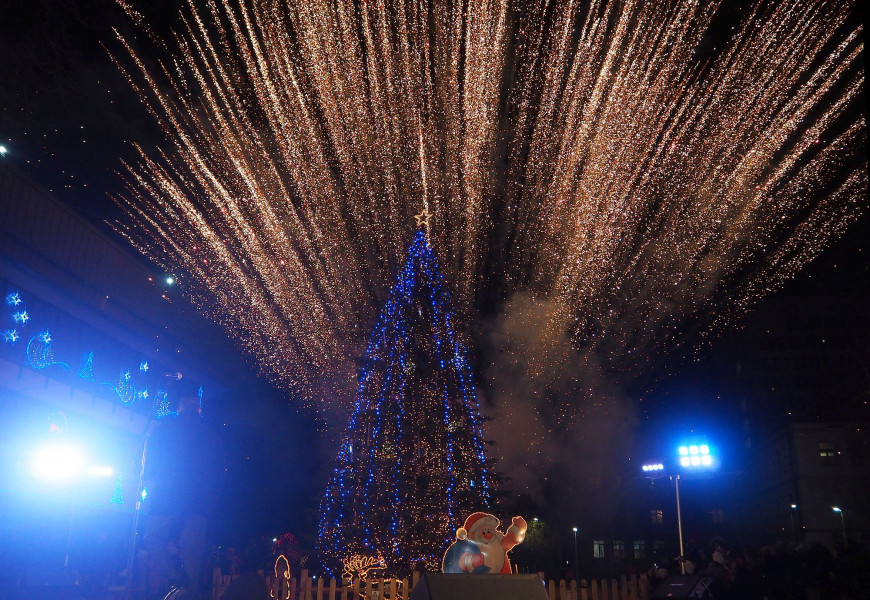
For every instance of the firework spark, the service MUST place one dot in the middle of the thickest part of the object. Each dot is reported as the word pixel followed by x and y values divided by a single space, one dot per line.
pixel 646 195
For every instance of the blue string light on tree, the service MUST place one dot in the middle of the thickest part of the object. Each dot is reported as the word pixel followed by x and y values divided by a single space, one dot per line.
pixel 411 461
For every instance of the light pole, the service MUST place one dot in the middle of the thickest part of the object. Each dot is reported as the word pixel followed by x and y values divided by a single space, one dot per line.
pixel 676 479
pixel 837 509
pixel 576 560
pixel 694 456
pixel 791 516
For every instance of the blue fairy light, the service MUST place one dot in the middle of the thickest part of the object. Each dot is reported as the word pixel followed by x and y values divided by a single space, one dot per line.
pixel 415 416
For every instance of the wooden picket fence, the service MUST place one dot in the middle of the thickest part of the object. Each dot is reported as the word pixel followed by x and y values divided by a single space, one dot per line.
pixel 307 587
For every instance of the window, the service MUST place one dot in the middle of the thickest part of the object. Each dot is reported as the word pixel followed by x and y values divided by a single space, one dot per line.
pixel 598 549
pixel 827 452
pixel 718 515
pixel 618 549
pixel 639 549
pixel 655 516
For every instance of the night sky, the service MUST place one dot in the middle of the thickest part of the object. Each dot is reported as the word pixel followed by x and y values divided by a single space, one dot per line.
pixel 67 117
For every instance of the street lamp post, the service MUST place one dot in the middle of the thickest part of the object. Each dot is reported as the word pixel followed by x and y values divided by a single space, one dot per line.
pixel 837 509
pixel 694 456
pixel 791 516
pixel 676 479
pixel 576 559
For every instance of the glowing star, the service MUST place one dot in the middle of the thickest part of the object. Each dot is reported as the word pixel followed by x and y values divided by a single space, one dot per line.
pixel 423 218
pixel 45 336
pixel 21 317
pixel 143 366
pixel 10 335
pixel 13 299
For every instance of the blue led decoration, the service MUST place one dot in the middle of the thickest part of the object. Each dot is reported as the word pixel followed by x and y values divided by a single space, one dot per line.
pixel 39 352
pixel 118 495
pixel 86 371
pixel 161 406
pixel 13 298
pixel 411 465
pixel 125 388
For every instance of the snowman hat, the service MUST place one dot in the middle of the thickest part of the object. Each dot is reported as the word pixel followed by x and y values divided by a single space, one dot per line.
pixel 462 532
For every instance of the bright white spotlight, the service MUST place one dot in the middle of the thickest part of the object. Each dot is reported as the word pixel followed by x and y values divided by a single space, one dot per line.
pixel 693 450
pixel 170 280
pixel 704 448
pixel 3 150
pixel 684 461
pixel 57 463
pixel 101 471
pixel 706 460
pixel 684 450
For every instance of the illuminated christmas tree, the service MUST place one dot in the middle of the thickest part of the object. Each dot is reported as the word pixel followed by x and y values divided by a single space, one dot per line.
pixel 411 464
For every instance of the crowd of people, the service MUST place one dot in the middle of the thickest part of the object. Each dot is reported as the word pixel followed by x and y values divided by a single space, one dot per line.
pixel 786 571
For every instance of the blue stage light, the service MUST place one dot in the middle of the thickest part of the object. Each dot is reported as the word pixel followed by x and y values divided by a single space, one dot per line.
pixel 697 455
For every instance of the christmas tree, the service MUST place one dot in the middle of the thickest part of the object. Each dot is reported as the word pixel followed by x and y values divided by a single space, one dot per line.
pixel 411 464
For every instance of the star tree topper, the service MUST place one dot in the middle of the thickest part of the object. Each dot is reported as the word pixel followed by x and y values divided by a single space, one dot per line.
pixel 423 218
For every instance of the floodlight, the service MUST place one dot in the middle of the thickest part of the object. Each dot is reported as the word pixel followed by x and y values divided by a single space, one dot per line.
pixel 697 454
pixel 56 462
pixel 837 509
pixel 100 471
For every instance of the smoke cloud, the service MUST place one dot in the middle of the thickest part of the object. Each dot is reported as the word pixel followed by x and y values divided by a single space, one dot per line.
pixel 558 423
